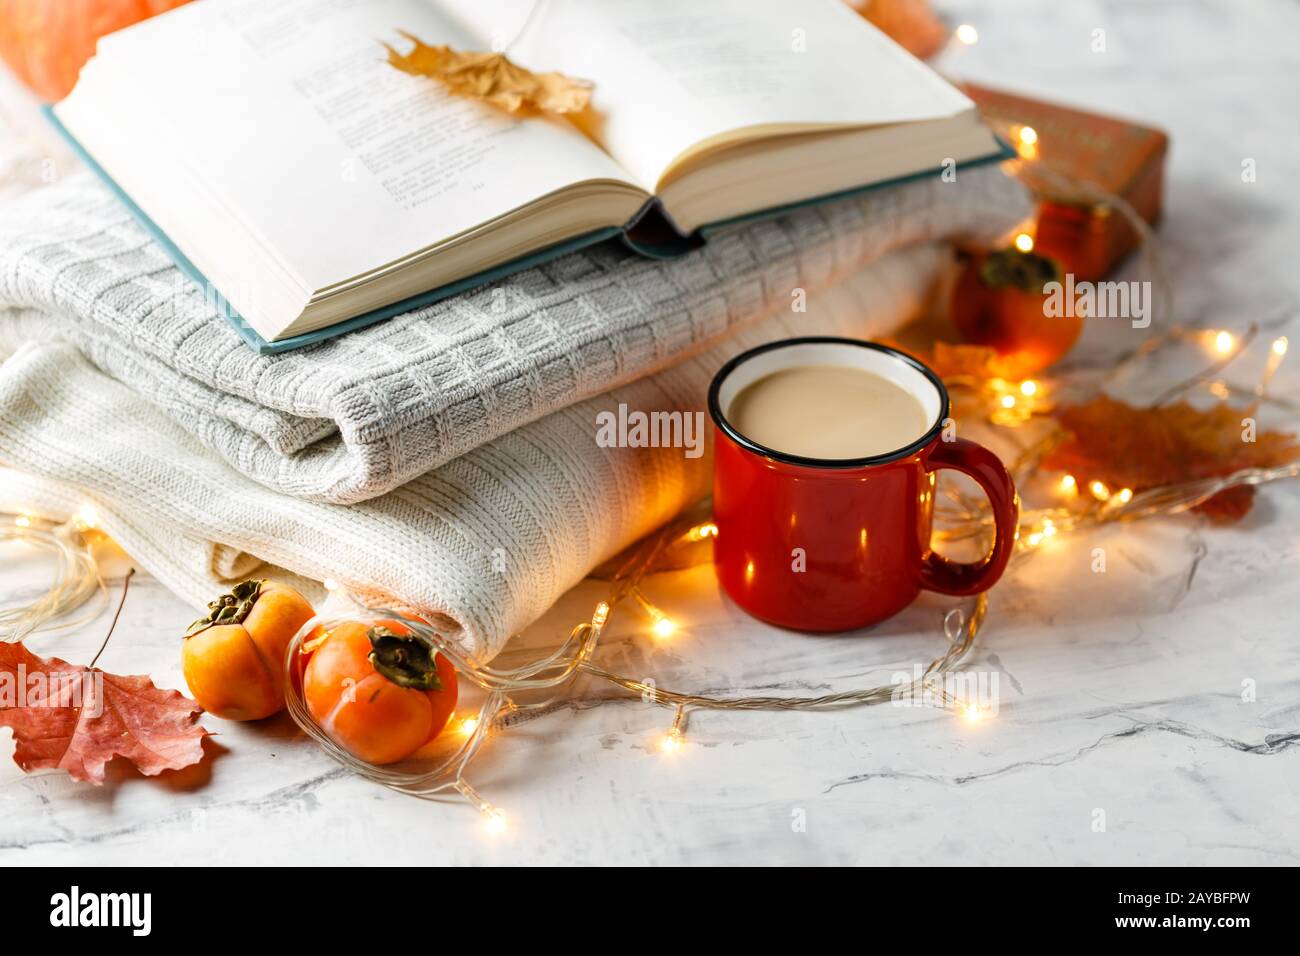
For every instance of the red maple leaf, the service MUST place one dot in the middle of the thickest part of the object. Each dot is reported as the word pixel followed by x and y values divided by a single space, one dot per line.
pixel 74 718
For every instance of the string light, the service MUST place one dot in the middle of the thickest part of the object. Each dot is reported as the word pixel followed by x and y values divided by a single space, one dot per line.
pixel 1069 485
pixel 1223 342
pixel 76 578
pixel 1276 352
pixel 661 625
pixel 1024 242
pixel 967 34
pixel 1008 401
pixel 330 584
pixel 1125 495
pixel 468 726
pixel 87 518
pixel 1099 490
pixel 1028 388
pixel 1027 144
pixel 702 531
pixel 676 736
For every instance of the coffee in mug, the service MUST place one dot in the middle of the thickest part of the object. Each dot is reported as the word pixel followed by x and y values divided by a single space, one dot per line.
pixel 829 412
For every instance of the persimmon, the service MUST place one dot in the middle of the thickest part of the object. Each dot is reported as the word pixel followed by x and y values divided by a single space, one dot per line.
pixel 379 691
pixel 233 658
pixel 999 302
pixel 46 43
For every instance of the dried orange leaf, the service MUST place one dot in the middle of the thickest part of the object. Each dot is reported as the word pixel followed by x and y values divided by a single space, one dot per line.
pixel 961 361
pixel 491 77
pixel 1140 448
pixel 952 362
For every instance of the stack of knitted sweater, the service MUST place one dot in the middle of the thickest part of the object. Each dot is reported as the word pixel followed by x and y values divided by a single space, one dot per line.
pixel 447 459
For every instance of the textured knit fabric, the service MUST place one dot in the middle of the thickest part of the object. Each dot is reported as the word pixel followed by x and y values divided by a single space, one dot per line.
pixel 353 418
pixel 484 544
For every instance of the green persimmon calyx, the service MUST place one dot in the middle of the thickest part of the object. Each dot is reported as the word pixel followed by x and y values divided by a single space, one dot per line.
pixel 1011 268
pixel 404 659
pixel 230 608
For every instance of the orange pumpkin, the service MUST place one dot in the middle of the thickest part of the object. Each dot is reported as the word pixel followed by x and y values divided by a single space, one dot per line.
pixel 46 42
pixel 233 658
pixel 378 691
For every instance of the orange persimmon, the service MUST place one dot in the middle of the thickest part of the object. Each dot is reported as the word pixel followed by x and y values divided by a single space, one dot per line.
pixel 378 691
pixel 233 658
pixel 1000 302
pixel 46 42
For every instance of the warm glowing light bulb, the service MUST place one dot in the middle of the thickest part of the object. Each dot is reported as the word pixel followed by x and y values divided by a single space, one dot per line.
pixel 1028 135
pixel 87 516
pixel 330 584
pixel 672 741
pixel 1223 342
pixel 1279 345
pixel 967 34
pixel 664 627
pixel 1008 401
pixel 494 820
pixel 1099 490
pixel 23 521
pixel 1025 242
pixel 972 713
pixel 700 532
pixel 1029 388
pixel 468 726
pixel 601 614
pixel 1068 484
pixel 1125 495
pixel 1035 539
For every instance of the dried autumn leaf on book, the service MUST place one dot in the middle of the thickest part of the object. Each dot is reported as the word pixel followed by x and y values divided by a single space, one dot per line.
pixel 1140 448
pixel 65 716
pixel 491 77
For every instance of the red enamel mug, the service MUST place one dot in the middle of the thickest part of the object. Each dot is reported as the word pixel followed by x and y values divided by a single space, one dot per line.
pixel 836 544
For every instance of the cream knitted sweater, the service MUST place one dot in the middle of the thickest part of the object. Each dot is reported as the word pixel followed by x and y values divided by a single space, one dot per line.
pixel 484 543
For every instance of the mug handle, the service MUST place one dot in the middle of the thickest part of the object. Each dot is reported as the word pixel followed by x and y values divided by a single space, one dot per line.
pixel 960 578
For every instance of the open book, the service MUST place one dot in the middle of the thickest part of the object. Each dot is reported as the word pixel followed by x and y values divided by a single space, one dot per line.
pixel 316 188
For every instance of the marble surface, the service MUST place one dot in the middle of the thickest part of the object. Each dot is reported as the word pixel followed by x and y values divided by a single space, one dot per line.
pixel 1146 715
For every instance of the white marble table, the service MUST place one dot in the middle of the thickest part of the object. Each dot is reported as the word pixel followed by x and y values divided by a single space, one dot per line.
pixel 1121 693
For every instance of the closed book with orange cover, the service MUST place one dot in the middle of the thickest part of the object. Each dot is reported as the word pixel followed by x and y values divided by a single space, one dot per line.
pixel 1123 158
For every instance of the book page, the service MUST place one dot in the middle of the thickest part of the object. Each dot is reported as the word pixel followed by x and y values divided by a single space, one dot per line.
pixel 672 75
pixel 340 163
